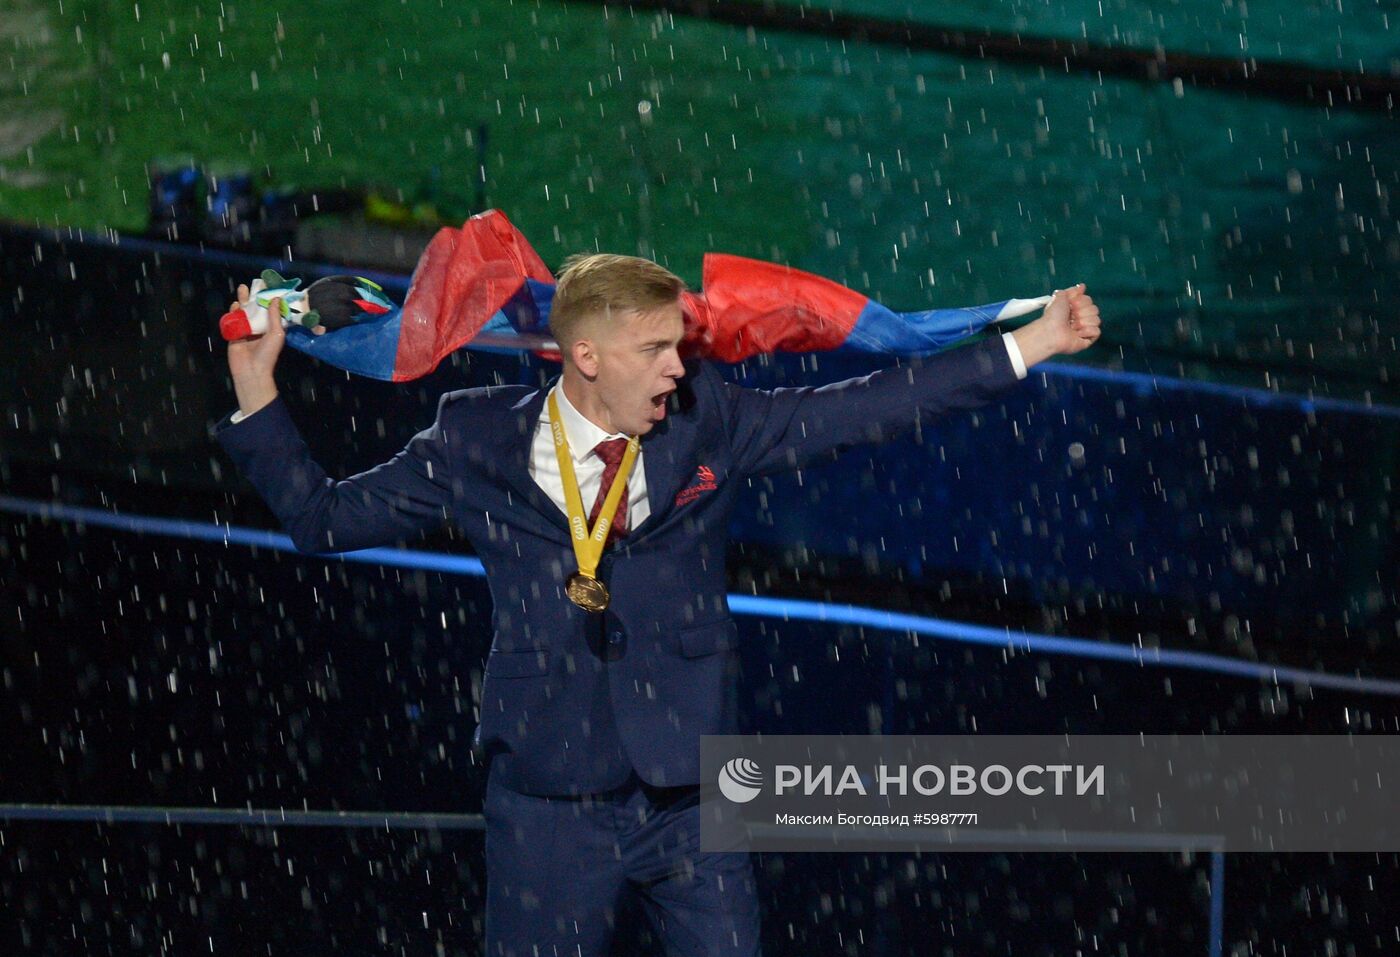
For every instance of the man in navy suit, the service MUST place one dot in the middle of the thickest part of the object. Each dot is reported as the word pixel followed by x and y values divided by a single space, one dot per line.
pixel 600 681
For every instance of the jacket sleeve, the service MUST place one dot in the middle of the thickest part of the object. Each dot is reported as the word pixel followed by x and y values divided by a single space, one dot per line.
pixel 779 429
pixel 410 493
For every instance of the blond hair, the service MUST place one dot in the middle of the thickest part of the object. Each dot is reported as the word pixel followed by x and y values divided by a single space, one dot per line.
pixel 597 285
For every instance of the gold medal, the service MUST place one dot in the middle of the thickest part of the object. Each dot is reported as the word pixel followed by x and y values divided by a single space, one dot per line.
pixel 583 587
pixel 587 592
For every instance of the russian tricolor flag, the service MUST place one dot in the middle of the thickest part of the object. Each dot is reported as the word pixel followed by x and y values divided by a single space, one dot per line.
pixel 483 286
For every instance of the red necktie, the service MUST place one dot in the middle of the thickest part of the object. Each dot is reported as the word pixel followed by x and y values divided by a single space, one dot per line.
pixel 611 452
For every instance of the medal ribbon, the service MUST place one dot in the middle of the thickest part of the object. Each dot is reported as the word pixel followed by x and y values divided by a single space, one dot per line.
pixel 588 544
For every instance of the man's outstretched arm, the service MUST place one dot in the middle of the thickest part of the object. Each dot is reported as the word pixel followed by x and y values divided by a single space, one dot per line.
pixel 410 493
pixel 787 428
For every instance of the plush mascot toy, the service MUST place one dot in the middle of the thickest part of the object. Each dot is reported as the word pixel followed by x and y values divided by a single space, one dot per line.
pixel 332 302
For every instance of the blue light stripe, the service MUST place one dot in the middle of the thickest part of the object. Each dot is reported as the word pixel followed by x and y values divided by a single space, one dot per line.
pixel 262 817
pixel 786 609
pixel 232 535
pixel 411 820
pixel 254 264
pixel 1217 902
pixel 1145 383
pixel 801 610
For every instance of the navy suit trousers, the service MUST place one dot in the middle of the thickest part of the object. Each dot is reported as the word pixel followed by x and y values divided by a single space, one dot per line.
pixel 556 867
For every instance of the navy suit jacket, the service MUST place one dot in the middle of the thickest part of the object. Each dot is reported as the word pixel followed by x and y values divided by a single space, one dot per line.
pixel 573 702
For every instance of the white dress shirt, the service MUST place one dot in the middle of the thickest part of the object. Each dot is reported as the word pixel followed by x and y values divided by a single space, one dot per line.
pixel 584 436
pixel 1018 361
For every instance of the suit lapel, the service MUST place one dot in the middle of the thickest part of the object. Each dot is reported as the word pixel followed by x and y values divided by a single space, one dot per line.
pixel 514 438
pixel 665 463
